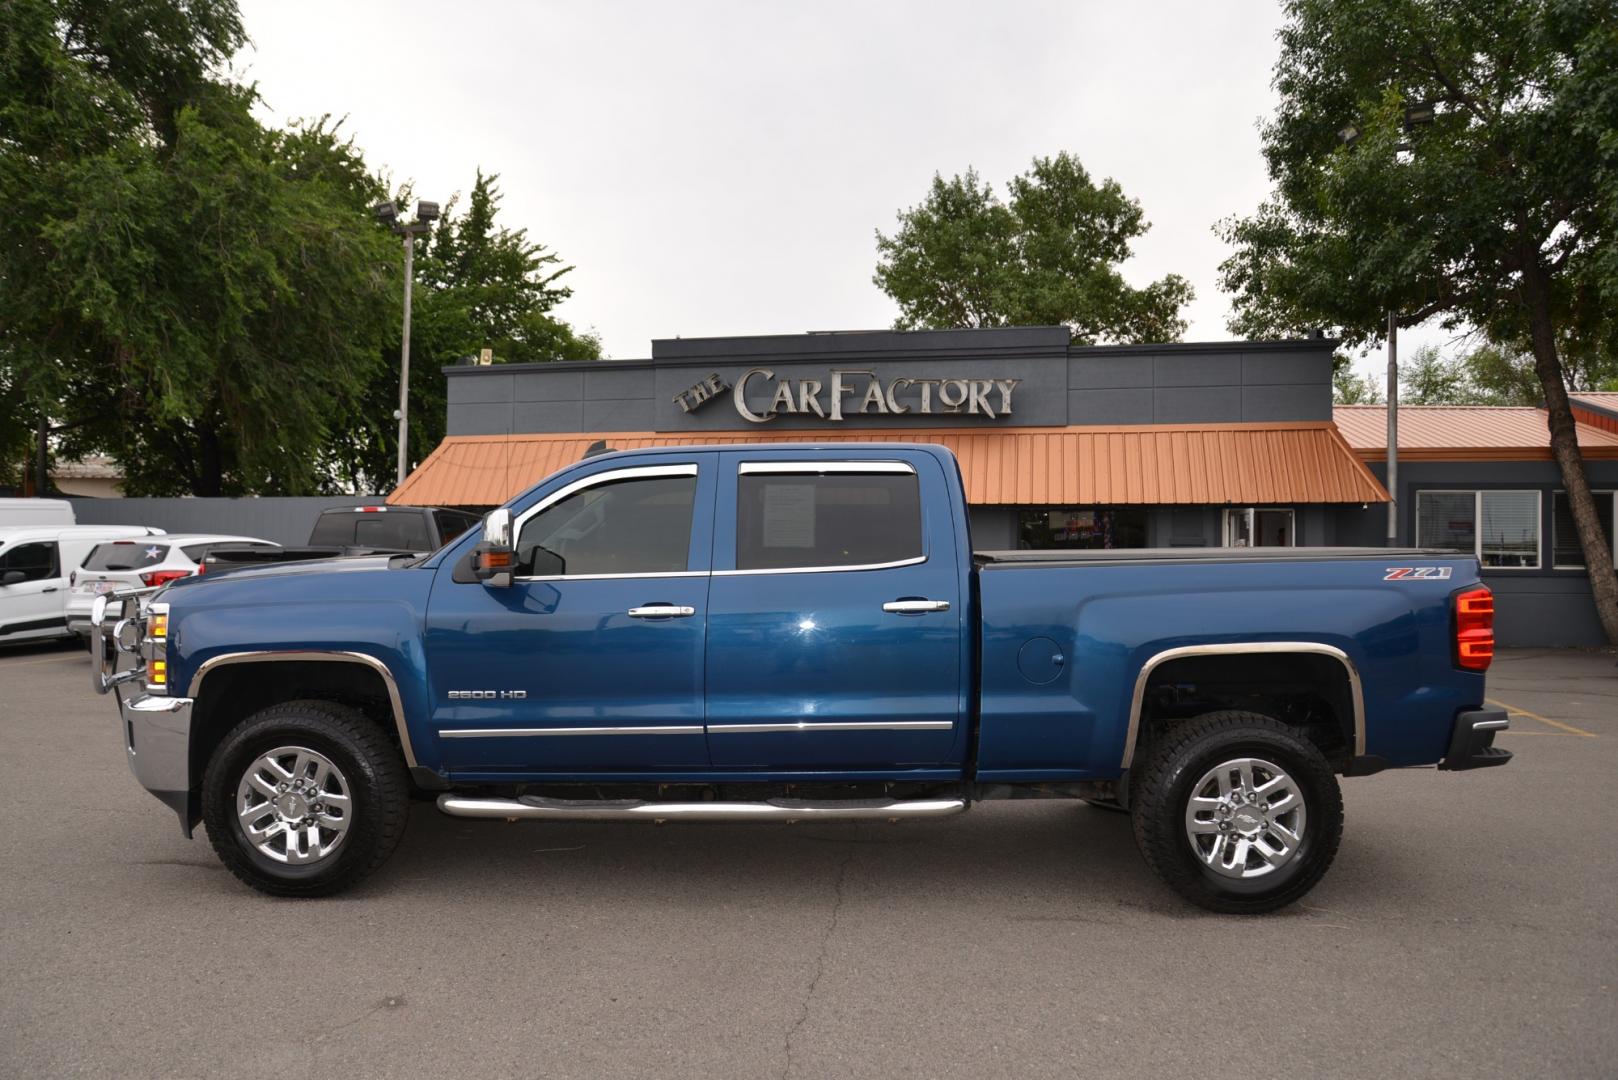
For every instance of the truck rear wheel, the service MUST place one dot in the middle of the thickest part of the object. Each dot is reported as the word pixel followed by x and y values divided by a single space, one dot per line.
pixel 304 799
pixel 1237 812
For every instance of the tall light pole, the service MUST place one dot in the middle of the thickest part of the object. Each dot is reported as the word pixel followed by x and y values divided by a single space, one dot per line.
pixel 1393 430
pixel 1417 115
pixel 388 214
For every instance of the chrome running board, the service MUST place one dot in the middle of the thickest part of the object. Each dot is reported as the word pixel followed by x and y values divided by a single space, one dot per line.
pixel 544 809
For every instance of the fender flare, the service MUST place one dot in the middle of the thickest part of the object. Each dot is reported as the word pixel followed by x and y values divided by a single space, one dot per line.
pixel 262 656
pixel 1316 648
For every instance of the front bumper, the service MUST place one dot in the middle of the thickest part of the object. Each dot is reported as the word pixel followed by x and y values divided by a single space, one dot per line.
pixel 155 726
pixel 1471 742
pixel 157 737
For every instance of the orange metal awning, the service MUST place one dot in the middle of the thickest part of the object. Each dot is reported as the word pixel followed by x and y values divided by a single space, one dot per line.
pixel 1141 464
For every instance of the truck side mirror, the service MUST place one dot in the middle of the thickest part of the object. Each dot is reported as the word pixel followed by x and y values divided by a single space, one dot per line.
pixel 493 559
pixel 12 577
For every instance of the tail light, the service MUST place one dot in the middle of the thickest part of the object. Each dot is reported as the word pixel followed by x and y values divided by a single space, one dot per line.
pixel 1474 629
pixel 162 577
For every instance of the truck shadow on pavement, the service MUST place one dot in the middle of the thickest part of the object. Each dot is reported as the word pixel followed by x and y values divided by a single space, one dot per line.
pixel 1053 860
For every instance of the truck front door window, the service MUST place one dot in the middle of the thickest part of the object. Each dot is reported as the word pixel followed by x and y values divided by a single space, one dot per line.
pixel 633 526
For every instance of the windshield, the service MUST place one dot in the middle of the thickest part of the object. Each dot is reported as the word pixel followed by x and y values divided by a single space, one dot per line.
pixel 406 531
pixel 125 555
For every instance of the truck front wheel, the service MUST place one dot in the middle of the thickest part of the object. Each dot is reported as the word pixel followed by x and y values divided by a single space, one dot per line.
pixel 1237 812
pixel 304 799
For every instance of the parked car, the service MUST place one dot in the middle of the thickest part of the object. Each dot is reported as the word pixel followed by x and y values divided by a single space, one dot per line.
pixel 15 512
pixel 784 633
pixel 344 532
pixel 133 564
pixel 35 561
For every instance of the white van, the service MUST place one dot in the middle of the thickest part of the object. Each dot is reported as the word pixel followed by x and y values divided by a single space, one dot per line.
pixel 35 561
pixel 36 512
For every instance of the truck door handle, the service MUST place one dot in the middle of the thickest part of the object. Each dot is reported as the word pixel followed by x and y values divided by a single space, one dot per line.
pixel 661 611
pixel 915 607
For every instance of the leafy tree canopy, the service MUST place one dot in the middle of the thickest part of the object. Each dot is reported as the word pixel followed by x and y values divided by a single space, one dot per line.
pixel 1452 161
pixel 209 300
pixel 1048 255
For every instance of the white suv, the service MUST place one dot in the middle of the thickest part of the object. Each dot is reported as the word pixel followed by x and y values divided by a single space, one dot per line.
pixel 135 564
pixel 35 561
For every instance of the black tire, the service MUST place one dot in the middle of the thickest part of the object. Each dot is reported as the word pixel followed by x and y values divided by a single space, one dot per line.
pixel 1161 789
pixel 369 762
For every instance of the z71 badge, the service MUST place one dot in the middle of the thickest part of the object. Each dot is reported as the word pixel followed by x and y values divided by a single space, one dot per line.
pixel 1434 573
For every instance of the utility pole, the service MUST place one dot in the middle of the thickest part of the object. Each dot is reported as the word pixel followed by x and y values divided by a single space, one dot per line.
pixel 1393 431
pixel 404 361
pixel 388 214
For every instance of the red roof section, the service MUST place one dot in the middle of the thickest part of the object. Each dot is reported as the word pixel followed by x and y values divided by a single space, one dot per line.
pixel 1462 433
pixel 1141 464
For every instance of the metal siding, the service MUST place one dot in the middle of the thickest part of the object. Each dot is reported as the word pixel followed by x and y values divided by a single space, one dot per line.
pixel 283 520
pixel 1138 465
pixel 1478 432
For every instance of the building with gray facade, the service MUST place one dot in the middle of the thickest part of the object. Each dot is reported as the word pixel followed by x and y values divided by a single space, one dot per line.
pixel 1226 443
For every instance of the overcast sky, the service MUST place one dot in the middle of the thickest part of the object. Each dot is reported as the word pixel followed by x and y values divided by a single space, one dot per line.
pixel 718 169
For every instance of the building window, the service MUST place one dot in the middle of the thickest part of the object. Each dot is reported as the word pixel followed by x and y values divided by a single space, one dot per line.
pixel 1566 551
pixel 1254 526
pixel 1081 527
pixel 1501 528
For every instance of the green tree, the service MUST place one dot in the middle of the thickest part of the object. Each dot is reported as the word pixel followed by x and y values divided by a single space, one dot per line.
pixel 1449 161
pixel 198 295
pixel 1347 388
pixel 1047 256
pixel 479 285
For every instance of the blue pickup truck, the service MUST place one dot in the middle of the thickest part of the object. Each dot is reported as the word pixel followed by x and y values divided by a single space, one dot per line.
pixel 795 632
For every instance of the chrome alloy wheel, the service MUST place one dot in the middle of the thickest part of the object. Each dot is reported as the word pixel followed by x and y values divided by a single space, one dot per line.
pixel 1245 818
pixel 294 805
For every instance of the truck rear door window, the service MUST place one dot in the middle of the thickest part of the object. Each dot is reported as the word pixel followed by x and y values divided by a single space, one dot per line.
pixel 807 520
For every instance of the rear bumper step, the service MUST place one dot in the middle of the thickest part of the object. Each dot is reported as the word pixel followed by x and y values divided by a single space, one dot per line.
pixel 544 809
pixel 1471 743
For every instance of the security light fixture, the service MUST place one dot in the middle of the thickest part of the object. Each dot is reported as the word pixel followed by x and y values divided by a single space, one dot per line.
pixel 1420 113
pixel 426 211
pixel 386 213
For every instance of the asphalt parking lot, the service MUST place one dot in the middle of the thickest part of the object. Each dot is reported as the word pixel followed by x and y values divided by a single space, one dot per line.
pixel 1468 928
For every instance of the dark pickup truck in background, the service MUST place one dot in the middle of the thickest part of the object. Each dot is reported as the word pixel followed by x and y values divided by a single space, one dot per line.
pixel 357 530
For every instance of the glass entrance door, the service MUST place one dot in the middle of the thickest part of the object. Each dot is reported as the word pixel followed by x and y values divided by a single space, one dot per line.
pixel 1259 527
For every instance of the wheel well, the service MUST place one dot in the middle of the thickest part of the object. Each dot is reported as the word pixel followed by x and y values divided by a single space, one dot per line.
pixel 234 692
pixel 1309 691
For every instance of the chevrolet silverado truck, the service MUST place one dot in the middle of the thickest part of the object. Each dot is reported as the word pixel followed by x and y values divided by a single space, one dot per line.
pixel 795 633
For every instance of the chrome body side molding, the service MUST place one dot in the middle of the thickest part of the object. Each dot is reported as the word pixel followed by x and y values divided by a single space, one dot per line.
pixel 1231 648
pixel 530 732
pixel 800 468
pixel 546 809
pixel 914 561
pixel 832 725
pixel 318 656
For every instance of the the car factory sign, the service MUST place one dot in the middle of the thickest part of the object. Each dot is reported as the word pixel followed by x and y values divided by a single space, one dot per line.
pixel 761 397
